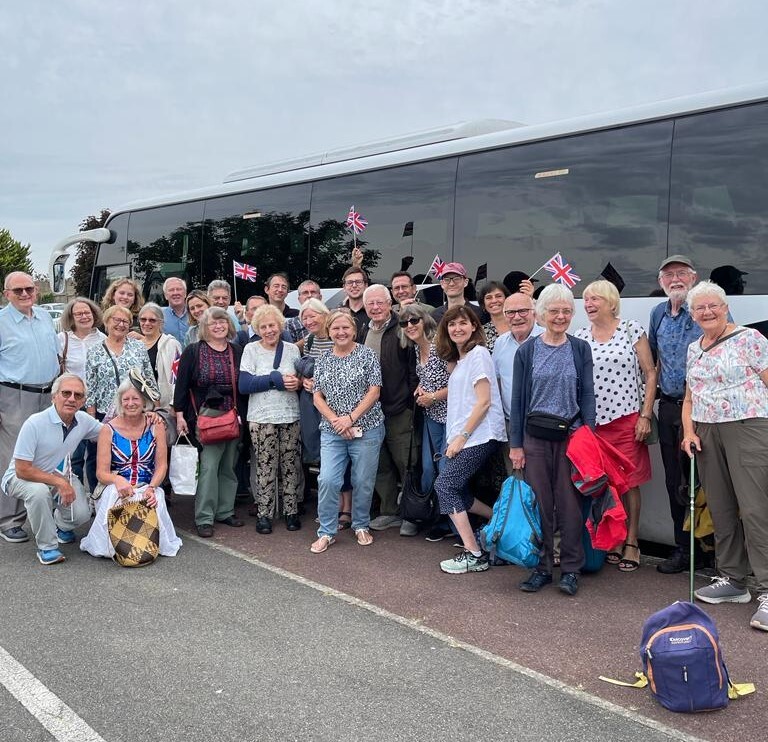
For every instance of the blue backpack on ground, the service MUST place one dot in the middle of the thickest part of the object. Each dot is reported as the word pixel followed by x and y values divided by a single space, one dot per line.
pixel 514 531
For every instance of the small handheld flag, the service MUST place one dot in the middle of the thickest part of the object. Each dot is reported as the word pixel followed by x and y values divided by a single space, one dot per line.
pixel 437 267
pixel 561 271
pixel 175 368
pixel 245 271
pixel 356 222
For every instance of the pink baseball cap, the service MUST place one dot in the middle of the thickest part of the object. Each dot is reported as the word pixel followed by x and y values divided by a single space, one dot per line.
pixel 454 268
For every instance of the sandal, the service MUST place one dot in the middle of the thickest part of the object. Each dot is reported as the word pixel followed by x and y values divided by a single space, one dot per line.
pixel 364 537
pixel 345 520
pixel 614 557
pixel 322 544
pixel 630 565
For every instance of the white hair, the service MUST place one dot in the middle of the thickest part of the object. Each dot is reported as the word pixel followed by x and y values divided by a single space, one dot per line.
pixel 376 288
pixel 706 288
pixel 552 293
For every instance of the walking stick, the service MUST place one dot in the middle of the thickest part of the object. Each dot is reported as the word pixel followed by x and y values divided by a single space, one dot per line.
pixel 692 513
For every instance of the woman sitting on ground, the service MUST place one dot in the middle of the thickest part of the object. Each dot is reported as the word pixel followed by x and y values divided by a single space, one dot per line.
pixel 131 462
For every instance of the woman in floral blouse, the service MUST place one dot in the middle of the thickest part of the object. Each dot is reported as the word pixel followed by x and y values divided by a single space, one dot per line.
pixel 347 383
pixel 725 421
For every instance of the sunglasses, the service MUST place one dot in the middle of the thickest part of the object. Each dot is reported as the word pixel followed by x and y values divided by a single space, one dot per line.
pixel 410 321
pixel 67 393
pixel 23 290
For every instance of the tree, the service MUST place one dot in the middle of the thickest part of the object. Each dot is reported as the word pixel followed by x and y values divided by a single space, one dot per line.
pixel 13 256
pixel 86 254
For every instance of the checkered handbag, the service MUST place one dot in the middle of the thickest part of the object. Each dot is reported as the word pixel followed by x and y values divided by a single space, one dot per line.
pixel 134 530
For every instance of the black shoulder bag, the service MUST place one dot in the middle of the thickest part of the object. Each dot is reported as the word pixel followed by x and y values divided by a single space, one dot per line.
pixel 417 506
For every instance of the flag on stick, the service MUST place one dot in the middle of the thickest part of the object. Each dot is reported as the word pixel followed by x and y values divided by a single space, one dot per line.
pixel 482 273
pixel 408 229
pixel 437 267
pixel 244 271
pixel 561 271
pixel 356 222
pixel 175 368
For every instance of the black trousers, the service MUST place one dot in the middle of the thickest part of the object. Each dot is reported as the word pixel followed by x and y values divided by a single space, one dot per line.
pixel 676 467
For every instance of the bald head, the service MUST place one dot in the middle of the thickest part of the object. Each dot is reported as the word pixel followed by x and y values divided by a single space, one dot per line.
pixel 520 315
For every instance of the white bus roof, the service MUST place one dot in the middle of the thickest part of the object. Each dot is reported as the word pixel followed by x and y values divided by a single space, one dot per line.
pixel 447 142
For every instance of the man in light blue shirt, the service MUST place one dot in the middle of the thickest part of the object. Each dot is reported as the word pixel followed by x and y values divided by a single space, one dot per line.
pixel 521 318
pixel 176 315
pixel 40 475
pixel 29 363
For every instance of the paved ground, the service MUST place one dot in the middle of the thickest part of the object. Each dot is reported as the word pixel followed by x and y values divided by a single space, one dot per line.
pixel 210 645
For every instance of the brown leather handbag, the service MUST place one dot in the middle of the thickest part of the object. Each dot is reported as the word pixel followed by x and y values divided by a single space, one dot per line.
pixel 214 426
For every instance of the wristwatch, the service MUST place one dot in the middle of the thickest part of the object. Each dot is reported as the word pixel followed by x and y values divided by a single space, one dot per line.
pixel 465 434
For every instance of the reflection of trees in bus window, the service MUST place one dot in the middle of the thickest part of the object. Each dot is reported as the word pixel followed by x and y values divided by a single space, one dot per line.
pixel 610 205
pixel 389 199
pixel 719 192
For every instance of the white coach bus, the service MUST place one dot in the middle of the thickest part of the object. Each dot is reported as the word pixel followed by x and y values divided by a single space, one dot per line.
pixel 625 188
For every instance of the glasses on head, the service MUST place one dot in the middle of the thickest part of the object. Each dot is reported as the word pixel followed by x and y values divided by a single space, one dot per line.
pixel 23 290
pixel 410 321
pixel 150 320
pixel 682 273
pixel 556 312
pixel 80 315
pixel 354 282
pixel 67 393
pixel 519 312
pixel 706 308
pixel 121 322
pixel 452 279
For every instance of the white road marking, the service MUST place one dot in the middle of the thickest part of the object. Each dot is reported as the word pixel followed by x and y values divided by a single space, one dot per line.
pixel 58 718
pixel 454 642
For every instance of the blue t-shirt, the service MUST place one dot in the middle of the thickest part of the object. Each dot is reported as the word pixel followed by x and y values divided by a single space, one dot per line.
pixel 554 389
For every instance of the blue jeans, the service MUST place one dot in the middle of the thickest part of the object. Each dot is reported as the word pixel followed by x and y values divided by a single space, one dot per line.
pixel 335 453
pixel 429 468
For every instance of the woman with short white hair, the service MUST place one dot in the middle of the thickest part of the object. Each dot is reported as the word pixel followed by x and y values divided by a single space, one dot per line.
pixel 162 349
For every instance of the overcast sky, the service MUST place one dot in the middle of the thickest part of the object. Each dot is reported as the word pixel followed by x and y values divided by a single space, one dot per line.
pixel 104 103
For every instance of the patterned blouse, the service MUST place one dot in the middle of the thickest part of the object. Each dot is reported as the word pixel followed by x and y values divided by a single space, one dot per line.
pixel 215 369
pixel 433 376
pixel 491 333
pixel 100 377
pixel 345 381
pixel 725 381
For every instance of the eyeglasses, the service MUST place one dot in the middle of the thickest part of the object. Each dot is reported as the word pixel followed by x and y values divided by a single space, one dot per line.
pixel 67 393
pixel 513 312
pixel 80 315
pixel 706 308
pixel 218 322
pixel 354 283
pixel 23 290
pixel 376 303
pixel 410 321
pixel 682 273
pixel 556 312
pixel 121 322
pixel 150 320
pixel 452 279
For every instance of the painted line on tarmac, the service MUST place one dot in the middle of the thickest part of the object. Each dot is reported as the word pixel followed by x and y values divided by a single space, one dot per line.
pixel 58 718
pixel 453 642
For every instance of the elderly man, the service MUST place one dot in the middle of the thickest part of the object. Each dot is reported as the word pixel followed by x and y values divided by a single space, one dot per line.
pixel 40 475
pixel 220 295
pixel 519 311
pixel 176 315
pixel 453 282
pixel 398 373
pixel 28 365
pixel 308 289
pixel 276 288
pixel 671 331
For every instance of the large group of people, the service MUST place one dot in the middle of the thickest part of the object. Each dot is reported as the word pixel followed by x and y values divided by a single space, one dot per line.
pixel 356 394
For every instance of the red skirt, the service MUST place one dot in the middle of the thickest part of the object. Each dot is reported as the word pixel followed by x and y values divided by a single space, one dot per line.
pixel 620 433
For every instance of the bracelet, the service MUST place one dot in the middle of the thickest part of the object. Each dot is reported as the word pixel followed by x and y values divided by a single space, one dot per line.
pixel 350 419
pixel 644 416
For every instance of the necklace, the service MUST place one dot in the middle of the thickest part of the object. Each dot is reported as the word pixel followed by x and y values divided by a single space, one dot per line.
pixel 701 344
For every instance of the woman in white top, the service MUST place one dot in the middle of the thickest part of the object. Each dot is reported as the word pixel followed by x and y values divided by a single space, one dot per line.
pixel 474 429
pixel 78 323
pixel 268 375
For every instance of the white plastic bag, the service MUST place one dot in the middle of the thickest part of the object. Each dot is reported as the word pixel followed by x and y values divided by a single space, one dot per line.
pixel 183 469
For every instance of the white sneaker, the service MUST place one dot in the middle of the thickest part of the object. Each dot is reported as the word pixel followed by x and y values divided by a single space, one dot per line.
pixel 759 618
pixel 382 522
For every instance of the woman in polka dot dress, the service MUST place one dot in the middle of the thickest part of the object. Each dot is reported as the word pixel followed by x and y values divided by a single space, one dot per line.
pixel 622 359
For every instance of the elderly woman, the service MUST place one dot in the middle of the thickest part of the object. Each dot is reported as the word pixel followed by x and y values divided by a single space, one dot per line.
pixel 124 292
pixel 347 382
pixel 553 382
pixel 162 350
pixel 473 431
pixel 725 420
pixel 132 463
pixel 197 302
pixel 268 376
pixel 208 377
pixel 418 330
pixel 624 403
pixel 492 298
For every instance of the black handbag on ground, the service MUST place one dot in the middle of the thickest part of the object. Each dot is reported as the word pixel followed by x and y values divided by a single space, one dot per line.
pixel 548 427
pixel 417 506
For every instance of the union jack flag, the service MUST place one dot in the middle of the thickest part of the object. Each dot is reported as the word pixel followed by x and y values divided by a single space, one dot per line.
pixel 245 271
pixel 437 267
pixel 561 271
pixel 175 368
pixel 355 221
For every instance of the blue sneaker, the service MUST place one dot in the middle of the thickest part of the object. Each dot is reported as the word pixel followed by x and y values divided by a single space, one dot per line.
pixel 15 535
pixel 65 537
pixel 50 556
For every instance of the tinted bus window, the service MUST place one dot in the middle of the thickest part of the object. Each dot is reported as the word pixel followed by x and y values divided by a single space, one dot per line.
pixel 165 242
pixel 719 196
pixel 597 198
pixel 409 211
pixel 266 229
pixel 111 257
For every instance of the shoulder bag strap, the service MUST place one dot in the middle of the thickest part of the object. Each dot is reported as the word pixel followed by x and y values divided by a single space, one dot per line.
pixel 114 363
pixel 636 367
pixel 308 343
pixel 278 355
pixel 736 332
